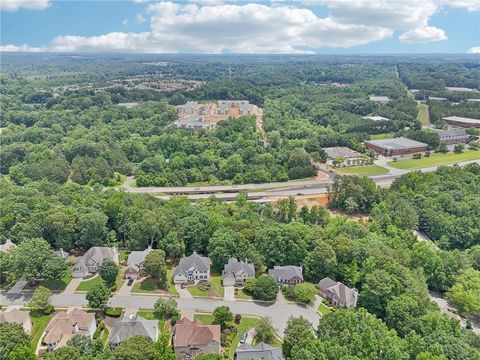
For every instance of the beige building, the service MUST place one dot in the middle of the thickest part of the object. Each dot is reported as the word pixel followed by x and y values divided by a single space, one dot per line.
pixel 18 317
pixel 192 338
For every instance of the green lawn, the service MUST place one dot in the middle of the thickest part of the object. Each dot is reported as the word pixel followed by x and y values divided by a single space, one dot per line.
pixel 206 319
pixel 367 170
pixel 119 280
pixel 436 159
pixel 88 284
pixel 59 284
pixel 150 285
pixel 104 337
pixel 323 309
pixel 39 323
pixel 389 135
pixel 216 288
pixel 240 294
pixel 148 315
pixel 423 114
pixel 123 256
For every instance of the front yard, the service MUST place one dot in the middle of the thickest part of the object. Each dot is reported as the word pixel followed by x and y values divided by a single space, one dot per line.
pixel 213 288
pixel 59 284
pixel 324 309
pixel 150 285
pixel 88 284
pixel 39 323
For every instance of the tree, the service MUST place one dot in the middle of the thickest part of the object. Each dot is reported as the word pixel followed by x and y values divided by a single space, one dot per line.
pixel 403 312
pixel 22 352
pixel 458 148
pixel 46 263
pixel 177 99
pixel 265 331
pixel 209 357
pixel 109 272
pixel 163 348
pixel 166 309
pixel 465 292
pixel 249 285
pixel 156 267
pixel 265 288
pixel 305 292
pixel 98 295
pixel 134 348
pixel 11 336
pixel 222 315
pixel 64 353
pixel 39 300
pixel 298 330
pixel 319 263
pixel 92 230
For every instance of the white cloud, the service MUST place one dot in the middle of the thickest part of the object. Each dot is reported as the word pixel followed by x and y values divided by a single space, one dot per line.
pixel 474 50
pixel 140 1
pixel 24 48
pixel 423 35
pixel 13 5
pixel 470 5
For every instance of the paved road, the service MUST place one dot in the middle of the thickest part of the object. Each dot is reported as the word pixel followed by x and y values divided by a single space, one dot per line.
pixel 279 313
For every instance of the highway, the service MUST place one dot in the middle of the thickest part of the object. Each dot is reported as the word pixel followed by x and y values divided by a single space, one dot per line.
pixel 265 191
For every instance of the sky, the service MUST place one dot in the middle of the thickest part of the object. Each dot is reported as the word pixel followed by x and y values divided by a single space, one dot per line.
pixel 223 26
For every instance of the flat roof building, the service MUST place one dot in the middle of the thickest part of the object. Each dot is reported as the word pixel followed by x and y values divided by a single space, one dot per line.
pixel 395 147
pixel 463 122
pixel 341 152
pixel 376 118
pixel 460 89
pixel 453 136
pixel 379 99
pixel 437 98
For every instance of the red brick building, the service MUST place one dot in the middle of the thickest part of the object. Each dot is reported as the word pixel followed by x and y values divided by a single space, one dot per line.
pixel 395 147
pixel 462 122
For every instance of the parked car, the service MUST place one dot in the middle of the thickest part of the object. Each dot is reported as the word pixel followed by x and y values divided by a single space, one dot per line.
pixel 130 282
pixel 243 338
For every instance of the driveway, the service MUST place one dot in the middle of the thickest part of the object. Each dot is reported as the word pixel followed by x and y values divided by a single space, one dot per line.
pixel 125 289
pixel 229 293
pixel 183 293
pixel 72 286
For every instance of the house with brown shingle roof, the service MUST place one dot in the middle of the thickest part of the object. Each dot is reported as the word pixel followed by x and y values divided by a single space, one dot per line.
pixel 18 317
pixel 338 294
pixel 192 338
pixel 93 259
pixel 65 325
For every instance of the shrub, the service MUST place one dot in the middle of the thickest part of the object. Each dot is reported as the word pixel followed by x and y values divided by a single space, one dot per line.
pixel 238 318
pixel 48 310
pixel 113 312
pixel 417 156
pixel 265 288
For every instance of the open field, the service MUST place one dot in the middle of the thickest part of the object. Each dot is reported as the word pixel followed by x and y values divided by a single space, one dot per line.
pixel 435 160
pixel 423 114
pixel 389 135
pixel 367 170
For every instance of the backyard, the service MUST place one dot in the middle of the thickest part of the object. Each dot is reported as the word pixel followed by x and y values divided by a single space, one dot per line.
pixel 202 290
pixel 436 159
pixel 367 170
pixel 39 323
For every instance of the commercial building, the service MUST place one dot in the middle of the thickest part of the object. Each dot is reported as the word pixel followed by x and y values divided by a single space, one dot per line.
pixel 395 147
pixel 459 121
pixel 453 136
pixel 379 99
pixel 340 155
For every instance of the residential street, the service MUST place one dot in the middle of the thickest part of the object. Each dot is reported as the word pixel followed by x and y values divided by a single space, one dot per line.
pixel 279 313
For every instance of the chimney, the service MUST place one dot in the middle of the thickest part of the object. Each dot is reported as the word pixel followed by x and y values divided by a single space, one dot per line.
pixel 74 328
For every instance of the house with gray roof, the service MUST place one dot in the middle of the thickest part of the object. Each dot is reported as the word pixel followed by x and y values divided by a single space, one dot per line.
pixel 135 263
pixel 287 275
pixel 236 272
pixel 132 326
pixel 93 259
pixel 338 294
pixel 63 254
pixel 260 351
pixel 18 317
pixel 453 136
pixel 192 268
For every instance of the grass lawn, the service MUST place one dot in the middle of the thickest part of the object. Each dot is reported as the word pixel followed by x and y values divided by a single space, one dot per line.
pixel 367 170
pixel 240 294
pixel 323 309
pixel 423 114
pixel 216 288
pixel 88 284
pixel 59 284
pixel 39 323
pixel 150 285
pixel 123 256
pixel 119 280
pixel 436 159
pixel 389 135
pixel 104 337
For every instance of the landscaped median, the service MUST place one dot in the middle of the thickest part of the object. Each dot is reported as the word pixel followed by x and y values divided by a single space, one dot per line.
pixel 367 170
pixel 436 159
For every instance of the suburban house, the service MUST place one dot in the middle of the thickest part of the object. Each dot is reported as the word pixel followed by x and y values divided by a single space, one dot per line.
pixel 7 245
pixel 66 325
pixel 135 263
pixel 192 338
pixel 260 351
pixel 287 275
pixel 63 254
pixel 337 293
pixel 236 272
pixel 92 260
pixel 192 268
pixel 18 317
pixel 131 326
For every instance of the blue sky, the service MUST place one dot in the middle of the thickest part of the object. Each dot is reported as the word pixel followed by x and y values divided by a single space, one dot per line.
pixel 216 26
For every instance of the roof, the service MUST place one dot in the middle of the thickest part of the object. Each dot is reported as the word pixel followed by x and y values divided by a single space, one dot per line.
pixel 376 118
pixel 14 316
pixel 396 143
pixel 325 283
pixel 63 254
pixel 188 333
pixel 7 246
pixel 60 327
pixel 286 272
pixel 345 294
pixel 136 258
pixel 460 89
pixel 201 263
pixel 462 119
pixel 341 151
pixel 126 328
pixel 453 132
pixel 96 254
pixel 234 266
pixel 379 98
pixel 259 351
pixel 437 98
